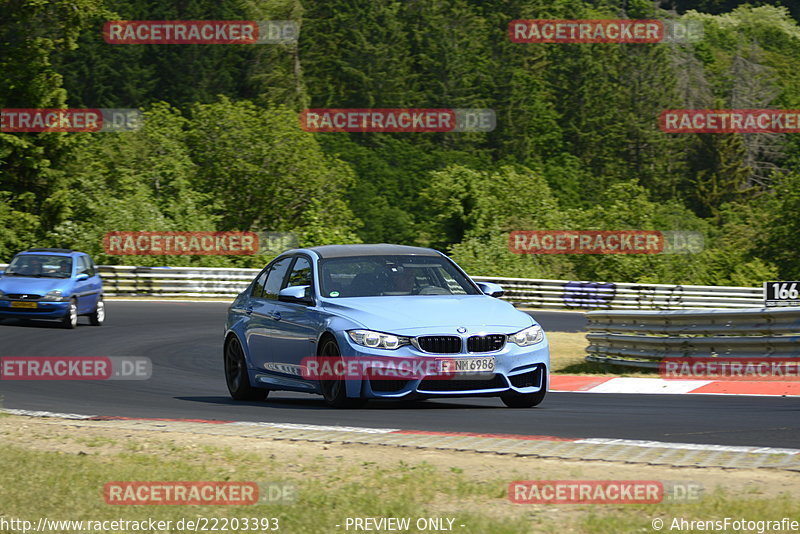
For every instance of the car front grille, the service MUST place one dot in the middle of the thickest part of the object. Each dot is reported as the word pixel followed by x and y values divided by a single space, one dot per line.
pixel 440 344
pixel 488 343
pixel 22 296
pixel 496 382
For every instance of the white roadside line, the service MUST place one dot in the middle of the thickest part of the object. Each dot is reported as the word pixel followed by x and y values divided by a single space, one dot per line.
pixel 687 446
pixel 648 385
pixel 296 426
pixel 35 413
pixel 366 430
pixel 661 386
pixel 286 426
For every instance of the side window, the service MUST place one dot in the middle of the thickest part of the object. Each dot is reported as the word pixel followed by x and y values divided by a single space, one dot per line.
pixel 90 266
pixel 275 277
pixel 258 287
pixel 301 273
pixel 83 266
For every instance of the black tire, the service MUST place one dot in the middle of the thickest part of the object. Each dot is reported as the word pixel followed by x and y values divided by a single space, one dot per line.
pixel 236 377
pixel 335 391
pixel 97 317
pixel 524 400
pixel 70 319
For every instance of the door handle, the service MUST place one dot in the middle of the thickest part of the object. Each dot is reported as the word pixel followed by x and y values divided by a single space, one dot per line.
pixel 276 315
pixel 248 310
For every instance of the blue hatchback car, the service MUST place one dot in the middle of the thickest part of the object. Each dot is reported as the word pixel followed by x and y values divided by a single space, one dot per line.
pixel 52 283
pixel 380 303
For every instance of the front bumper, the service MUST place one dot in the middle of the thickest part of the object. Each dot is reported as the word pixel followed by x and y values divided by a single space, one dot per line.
pixel 518 369
pixel 43 310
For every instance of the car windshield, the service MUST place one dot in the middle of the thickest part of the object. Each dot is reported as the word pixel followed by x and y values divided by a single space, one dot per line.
pixel 372 276
pixel 40 266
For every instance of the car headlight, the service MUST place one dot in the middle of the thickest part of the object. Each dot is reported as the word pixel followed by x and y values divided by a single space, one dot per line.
pixel 377 340
pixel 53 295
pixel 529 336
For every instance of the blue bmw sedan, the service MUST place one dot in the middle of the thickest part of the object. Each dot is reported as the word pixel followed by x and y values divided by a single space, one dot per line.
pixel 52 283
pixel 379 307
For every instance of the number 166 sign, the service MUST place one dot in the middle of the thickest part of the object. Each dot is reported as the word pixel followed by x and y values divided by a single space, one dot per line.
pixel 782 293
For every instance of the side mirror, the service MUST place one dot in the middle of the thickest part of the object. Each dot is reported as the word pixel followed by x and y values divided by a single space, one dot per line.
pixel 82 276
pixel 296 294
pixel 493 290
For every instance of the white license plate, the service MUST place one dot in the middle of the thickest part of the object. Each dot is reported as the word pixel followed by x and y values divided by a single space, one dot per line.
pixel 467 365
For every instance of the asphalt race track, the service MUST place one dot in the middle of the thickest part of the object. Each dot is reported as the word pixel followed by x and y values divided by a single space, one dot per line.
pixel 184 342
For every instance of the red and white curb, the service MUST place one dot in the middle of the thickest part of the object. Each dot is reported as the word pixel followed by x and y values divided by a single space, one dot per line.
pixel 613 384
pixel 604 449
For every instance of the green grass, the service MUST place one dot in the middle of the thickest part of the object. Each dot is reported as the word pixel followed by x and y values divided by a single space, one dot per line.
pixel 568 356
pixel 62 485
pixel 58 485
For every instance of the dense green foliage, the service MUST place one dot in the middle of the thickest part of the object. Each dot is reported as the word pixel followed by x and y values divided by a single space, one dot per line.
pixel 577 144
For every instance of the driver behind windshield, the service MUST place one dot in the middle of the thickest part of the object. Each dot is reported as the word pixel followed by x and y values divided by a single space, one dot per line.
pixel 402 279
pixel 32 267
pixel 52 267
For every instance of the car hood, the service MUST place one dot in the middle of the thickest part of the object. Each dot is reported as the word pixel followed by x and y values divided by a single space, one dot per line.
pixel 421 312
pixel 35 286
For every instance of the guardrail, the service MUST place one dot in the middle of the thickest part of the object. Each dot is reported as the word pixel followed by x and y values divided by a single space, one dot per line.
pixel 123 280
pixel 644 338
pixel 607 295
pixel 126 280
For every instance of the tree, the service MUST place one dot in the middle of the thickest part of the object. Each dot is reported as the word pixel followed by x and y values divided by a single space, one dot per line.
pixel 135 181
pixel 779 241
pixel 720 172
pixel 31 33
pixel 264 170
pixel 356 55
